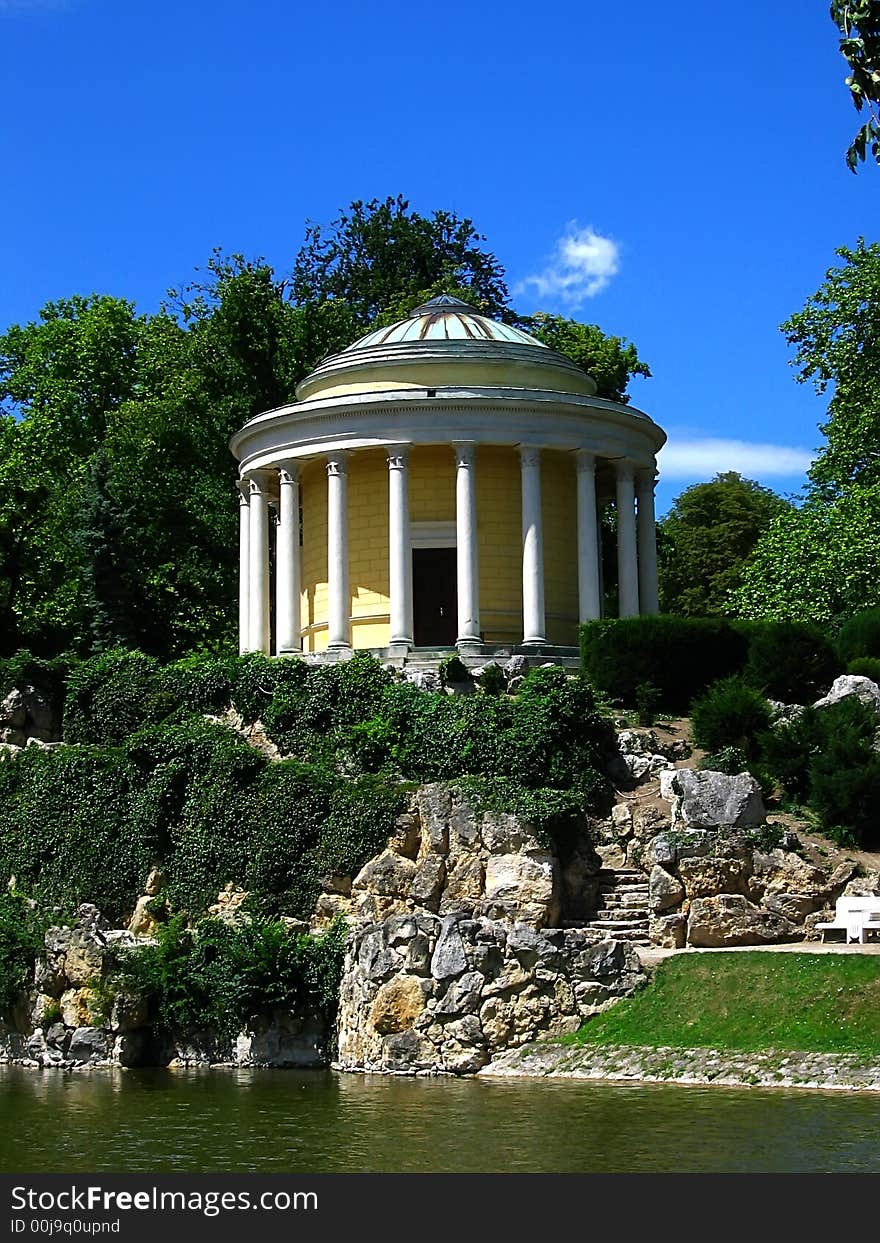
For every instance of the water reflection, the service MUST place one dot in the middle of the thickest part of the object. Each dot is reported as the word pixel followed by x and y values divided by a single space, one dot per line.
pixel 246 1120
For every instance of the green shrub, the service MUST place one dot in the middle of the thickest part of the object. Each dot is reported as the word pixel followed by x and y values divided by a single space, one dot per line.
pixel 492 679
pixel 21 939
pixel 112 695
pixel 860 636
pixel 214 976
pixel 453 671
pixel 844 775
pixel 787 751
pixel 865 667
pixel 791 661
pixel 70 832
pixel 203 684
pixel 679 655
pixel 730 714
pixel 648 697
pixel 729 760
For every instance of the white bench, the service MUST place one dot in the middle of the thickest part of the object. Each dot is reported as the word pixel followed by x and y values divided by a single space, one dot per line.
pixel 856 916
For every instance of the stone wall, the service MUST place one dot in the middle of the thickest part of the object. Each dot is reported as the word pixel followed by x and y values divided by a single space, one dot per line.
pixel 71 1018
pixel 424 994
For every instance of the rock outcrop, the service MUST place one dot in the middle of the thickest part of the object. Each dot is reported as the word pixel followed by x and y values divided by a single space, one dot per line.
pixel 425 994
pixel 446 858
pixel 707 800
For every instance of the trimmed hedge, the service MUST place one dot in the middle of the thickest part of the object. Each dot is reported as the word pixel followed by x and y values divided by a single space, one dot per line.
pixel 683 656
pixel 791 661
pixel 860 636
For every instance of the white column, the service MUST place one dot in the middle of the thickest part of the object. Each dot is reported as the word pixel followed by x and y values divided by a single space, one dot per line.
pixel 287 564
pixel 534 623
pixel 244 528
pixel 627 559
pixel 400 552
pixel 648 594
pixel 588 550
pixel 339 603
pixel 466 546
pixel 258 558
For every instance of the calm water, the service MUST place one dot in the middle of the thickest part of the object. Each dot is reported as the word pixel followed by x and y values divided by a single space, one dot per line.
pixel 312 1122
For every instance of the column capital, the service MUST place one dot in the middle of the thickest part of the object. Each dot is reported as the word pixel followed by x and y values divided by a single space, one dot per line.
pixel 288 472
pixel 625 469
pixel 585 460
pixel 530 455
pixel 337 463
pixel 465 452
pixel 398 457
pixel 646 479
pixel 243 488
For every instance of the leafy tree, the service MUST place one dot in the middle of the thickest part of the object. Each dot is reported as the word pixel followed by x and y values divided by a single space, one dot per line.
pixel 837 341
pixel 373 253
pixel 708 536
pixel 859 24
pixel 611 361
pixel 820 562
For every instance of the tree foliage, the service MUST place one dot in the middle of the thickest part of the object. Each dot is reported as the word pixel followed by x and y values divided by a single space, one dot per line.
pixel 859 24
pixel 836 338
pixel 818 563
pixel 707 537
pixel 373 253
pixel 611 361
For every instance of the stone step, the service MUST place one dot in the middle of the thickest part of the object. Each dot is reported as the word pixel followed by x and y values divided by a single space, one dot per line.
pixel 641 924
pixel 627 891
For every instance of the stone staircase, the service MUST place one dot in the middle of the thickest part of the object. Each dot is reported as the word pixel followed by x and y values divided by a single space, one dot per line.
pixel 622 911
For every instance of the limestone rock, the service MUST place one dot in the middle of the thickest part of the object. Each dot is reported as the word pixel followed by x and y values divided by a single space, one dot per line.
pixel 664 891
pixel 730 919
pixel 449 957
pixel 707 877
pixel 89 1044
pixel 428 881
pixel 850 684
pixel 669 931
pixel 524 884
pixel 143 923
pixel 709 799
pixel 388 875
pixel 398 1004
pixel 81 1007
pixel 230 903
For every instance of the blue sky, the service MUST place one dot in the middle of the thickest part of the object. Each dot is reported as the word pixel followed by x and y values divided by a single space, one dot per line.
pixel 674 173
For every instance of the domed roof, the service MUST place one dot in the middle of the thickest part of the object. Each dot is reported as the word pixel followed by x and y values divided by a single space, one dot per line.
pixel 444 319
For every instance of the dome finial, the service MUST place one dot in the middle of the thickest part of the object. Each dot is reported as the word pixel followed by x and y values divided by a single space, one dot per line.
pixel 445 302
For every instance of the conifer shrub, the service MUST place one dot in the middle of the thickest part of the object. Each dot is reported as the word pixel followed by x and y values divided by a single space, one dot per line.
pixel 791 661
pixel 681 656
pixel 730 714
pixel 844 773
pixel 859 636
pixel 453 671
pixel 865 667
pixel 729 760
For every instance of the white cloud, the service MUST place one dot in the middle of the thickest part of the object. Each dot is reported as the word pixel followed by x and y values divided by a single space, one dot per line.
pixel 583 263
pixel 702 458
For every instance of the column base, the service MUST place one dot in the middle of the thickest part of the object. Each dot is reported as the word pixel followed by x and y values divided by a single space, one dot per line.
pixel 400 647
pixel 534 642
pixel 469 645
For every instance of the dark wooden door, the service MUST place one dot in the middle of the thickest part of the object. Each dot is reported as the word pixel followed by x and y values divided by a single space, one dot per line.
pixel 435 617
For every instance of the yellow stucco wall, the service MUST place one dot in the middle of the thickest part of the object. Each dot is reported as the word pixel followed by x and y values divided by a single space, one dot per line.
pixel 432 499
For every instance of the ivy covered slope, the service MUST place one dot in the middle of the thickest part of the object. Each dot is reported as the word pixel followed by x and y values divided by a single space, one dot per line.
pixel 153 773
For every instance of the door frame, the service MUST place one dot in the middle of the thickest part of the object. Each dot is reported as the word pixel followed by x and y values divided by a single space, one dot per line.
pixel 431 535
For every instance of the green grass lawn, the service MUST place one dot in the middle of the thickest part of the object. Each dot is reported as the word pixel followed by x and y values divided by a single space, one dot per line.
pixel 820 1003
